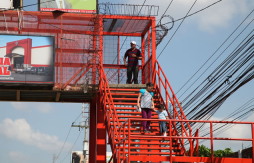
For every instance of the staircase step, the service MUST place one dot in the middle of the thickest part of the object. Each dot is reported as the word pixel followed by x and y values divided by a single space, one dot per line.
pixel 153 153
pixel 154 148
pixel 131 103
pixel 125 99
pixel 124 94
pixel 130 99
pixel 154 143
pixel 123 120
pixel 136 116
pixel 125 108
pixel 124 90
pixel 117 93
pixel 127 86
pixel 135 113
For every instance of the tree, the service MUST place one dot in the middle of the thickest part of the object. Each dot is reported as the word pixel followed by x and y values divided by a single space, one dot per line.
pixel 206 152
pixel 203 151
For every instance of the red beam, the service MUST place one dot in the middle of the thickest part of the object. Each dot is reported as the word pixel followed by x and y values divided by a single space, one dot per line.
pixel 113 66
pixel 122 34
pixel 147 28
pixel 127 17
pixel 56 30
pixel 53 23
pixel 58 50
pixel 82 74
pixel 71 64
pixel 55 15
pixel 53 30
pixel 189 159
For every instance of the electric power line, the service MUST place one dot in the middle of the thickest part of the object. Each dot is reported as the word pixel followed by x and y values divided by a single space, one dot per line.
pixel 176 29
pixel 72 146
pixel 67 136
pixel 127 36
pixel 193 12
pixel 214 52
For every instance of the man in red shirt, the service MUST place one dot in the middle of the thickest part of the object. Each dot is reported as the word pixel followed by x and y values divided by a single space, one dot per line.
pixel 133 55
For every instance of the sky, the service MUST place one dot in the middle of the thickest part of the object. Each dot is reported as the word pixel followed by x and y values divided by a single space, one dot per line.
pixel 36 40
pixel 35 131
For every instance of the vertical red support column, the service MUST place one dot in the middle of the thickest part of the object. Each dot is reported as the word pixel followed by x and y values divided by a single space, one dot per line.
pixel 118 61
pixel 56 60
pixel 101 40
pixel 148 56
pixel 97 132
pixel 197 154
pixel 143 57
pixel 61 55
pixel 211 133
pixel 252 130
pixel 101 133
pixel 153 50
pixel 92 132
pixel 96 28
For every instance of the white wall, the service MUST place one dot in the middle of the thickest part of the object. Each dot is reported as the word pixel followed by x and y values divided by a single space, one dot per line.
pixel 19 50
pixel 6 4
pixel 42 56
pixel 2 52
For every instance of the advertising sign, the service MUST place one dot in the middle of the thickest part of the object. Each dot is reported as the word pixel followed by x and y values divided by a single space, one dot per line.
pixel 26 59
pixel 5 4
pixel 108 157
pixel 78 6
pixel 78 157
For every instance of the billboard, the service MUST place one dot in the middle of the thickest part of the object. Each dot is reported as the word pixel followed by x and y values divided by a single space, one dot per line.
pixel 77 6
pixel 78 157
pixel 26 59
pixel 6 4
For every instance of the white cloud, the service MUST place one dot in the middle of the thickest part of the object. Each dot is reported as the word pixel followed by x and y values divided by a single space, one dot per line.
pixel 217 16
pixel 20 106
pixel 237 131
pixel 20 130
pixel 19 157
pixel 42 107
pixel 39 106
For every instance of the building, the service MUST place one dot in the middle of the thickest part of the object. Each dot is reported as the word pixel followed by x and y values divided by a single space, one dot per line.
pixel 22 54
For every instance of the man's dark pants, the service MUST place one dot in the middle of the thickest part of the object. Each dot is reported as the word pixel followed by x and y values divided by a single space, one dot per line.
pixel 132 70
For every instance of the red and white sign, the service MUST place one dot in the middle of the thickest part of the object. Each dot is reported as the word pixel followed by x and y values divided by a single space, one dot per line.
pixel 4 66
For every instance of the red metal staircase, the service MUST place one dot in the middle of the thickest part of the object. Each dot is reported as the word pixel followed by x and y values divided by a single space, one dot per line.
pixel 128 142
pixel 123 124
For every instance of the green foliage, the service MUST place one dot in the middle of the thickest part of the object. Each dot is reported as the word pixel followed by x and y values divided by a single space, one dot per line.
pixel 206 152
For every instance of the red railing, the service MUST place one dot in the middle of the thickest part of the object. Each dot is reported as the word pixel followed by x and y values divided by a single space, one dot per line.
pixel 160 80
pixel 110 114
pixel 147 71
pixel 188 158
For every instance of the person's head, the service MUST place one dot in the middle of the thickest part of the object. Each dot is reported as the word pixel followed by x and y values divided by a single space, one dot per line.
pixel 133 44
pixel 161 107
pixel 149 87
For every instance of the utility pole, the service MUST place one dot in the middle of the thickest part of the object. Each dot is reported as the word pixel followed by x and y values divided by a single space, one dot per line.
pixel 54 158
pixel 84 124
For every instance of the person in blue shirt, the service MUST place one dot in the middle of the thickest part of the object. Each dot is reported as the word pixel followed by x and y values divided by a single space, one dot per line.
pixel 162 115
pixel 145 98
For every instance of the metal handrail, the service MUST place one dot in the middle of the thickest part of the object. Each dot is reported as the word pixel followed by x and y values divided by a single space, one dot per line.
pixel 108 97
pixel 195 137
